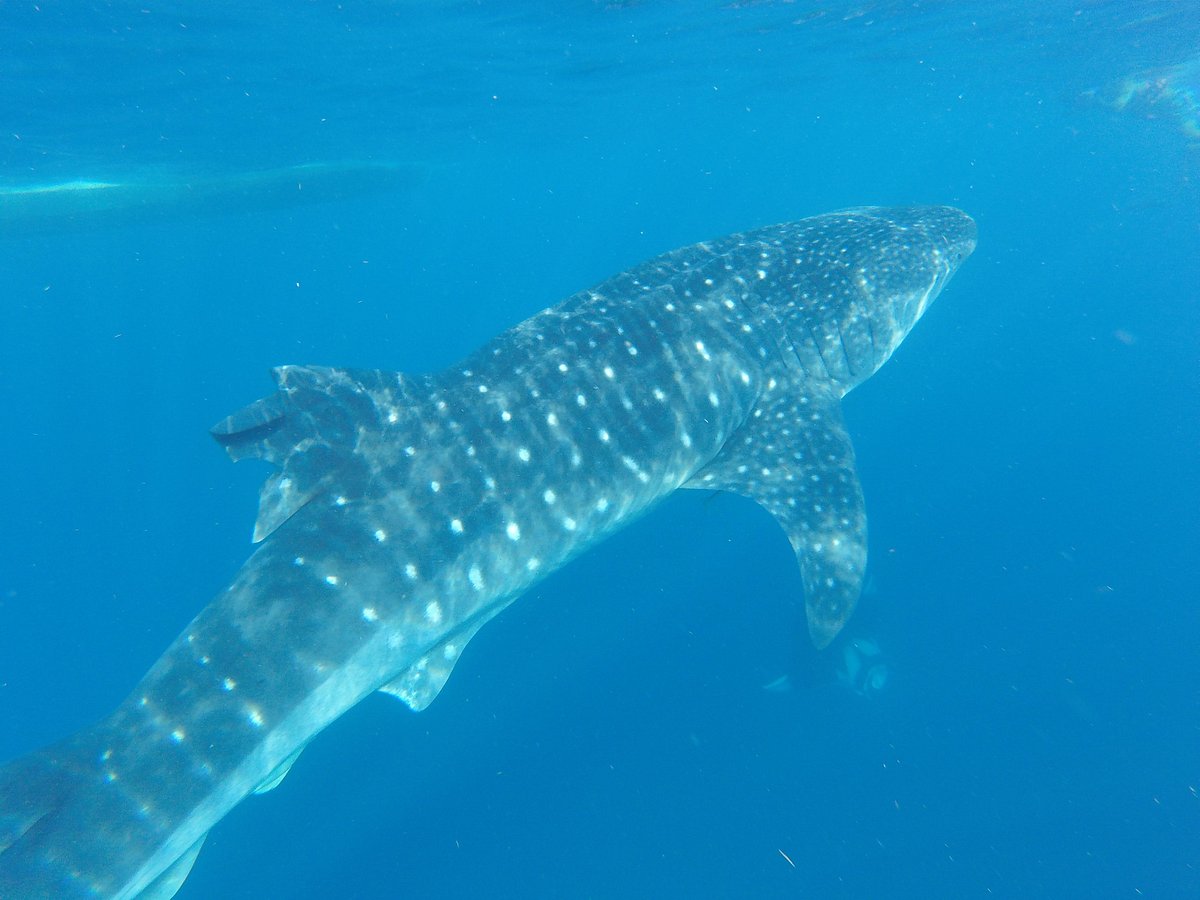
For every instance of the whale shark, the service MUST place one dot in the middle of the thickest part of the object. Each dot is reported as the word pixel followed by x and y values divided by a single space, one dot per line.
pixel 404 511
pixel 152 195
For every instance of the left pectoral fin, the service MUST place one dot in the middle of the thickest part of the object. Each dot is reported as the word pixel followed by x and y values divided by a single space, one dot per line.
pixel 794 458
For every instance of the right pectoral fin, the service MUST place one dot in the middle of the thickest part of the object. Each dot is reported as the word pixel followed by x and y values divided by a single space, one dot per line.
pixel 794 458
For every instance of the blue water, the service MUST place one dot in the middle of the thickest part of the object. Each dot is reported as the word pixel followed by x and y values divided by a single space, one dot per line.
pixel 1029 456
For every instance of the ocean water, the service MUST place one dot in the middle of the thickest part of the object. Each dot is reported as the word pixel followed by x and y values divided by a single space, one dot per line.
pixel 1029 456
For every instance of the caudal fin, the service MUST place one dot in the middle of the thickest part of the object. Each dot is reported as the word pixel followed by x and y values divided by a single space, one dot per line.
pixel 36 794
pixel 62 837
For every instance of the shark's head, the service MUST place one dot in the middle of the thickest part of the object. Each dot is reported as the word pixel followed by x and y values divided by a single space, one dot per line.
pixel 916 251
pixel 930 243
pixel 879 269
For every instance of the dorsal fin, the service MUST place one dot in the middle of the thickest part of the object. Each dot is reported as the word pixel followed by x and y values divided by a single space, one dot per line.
pixel 310 429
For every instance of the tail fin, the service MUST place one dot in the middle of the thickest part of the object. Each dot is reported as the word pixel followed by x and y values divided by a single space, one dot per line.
pixel 58 839
pixel 36 794
pixel 30 788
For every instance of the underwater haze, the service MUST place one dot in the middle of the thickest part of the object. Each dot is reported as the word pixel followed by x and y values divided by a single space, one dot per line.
pixel 191 194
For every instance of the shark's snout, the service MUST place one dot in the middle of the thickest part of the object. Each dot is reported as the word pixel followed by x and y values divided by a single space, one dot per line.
pixel 957 231
pixel 951 235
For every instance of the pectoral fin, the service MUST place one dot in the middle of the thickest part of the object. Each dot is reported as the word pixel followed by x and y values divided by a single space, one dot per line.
pixel 794 458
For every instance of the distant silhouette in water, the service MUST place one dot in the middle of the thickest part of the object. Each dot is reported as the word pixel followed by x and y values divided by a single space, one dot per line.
pixel 1171 93
pixel 864 668
pixel 857 664
pixel 152 195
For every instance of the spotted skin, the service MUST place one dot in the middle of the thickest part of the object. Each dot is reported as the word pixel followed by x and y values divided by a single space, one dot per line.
pixel 406 511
